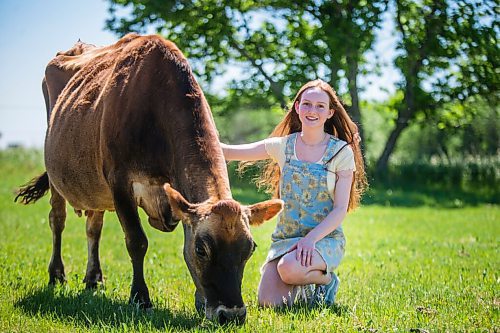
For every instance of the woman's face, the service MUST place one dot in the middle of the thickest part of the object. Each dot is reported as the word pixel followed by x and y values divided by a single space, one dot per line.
pixel 313 108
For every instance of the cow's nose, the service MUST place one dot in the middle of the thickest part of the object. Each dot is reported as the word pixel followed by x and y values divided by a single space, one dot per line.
pixel 235 315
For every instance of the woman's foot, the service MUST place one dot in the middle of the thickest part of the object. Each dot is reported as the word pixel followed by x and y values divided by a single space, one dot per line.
pixel 325 293
pixel 305 294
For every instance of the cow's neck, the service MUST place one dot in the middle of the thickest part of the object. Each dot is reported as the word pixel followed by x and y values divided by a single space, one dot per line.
pixel 202 179
pixel 202 171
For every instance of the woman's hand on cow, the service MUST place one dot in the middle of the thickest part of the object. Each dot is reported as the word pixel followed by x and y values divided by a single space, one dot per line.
pixel 305 249
pixel 254 151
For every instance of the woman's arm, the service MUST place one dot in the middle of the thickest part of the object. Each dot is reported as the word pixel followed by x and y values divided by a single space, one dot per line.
pixel 246 152
pixel 340 204
pixel 305 247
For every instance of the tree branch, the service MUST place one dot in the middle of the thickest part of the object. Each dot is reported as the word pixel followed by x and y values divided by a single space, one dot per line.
pixel 276 88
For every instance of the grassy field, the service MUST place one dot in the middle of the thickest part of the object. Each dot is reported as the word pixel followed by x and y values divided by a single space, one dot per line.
pixel 407 269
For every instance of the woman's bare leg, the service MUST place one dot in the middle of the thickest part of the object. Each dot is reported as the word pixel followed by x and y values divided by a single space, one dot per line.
pixel 291 271
pixel 273 292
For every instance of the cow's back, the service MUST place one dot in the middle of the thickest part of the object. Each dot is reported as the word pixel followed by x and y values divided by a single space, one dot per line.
pixel 73 154
pixel 134 113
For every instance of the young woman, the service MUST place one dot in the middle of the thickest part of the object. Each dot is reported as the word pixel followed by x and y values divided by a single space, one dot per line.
pixel 314 164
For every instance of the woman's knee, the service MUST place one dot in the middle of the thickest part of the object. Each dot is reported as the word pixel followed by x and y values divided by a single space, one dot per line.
pixel 289 270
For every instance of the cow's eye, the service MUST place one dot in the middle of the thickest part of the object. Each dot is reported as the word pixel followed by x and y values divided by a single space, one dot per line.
pixel 200 251
pixel 204 247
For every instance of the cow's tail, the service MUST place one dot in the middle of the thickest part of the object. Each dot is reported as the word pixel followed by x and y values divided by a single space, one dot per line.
pixel 34 189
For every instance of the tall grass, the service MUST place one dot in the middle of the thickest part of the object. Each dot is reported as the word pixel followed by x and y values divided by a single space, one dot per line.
pixel 407 269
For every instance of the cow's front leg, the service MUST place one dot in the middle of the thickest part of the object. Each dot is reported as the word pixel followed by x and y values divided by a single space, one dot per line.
pixel 93 228
pixel 136 241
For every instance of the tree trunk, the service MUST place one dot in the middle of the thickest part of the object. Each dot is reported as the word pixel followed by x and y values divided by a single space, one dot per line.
pixel 383 160
pixel 354 110
pixel 404 116
pixel 411 75
pixel 334 78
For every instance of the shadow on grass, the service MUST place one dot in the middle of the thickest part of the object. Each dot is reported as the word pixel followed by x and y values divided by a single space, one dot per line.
pixel 92 308
pixel 337 309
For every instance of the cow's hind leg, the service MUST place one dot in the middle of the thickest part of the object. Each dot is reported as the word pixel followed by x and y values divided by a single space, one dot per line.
pixel 57 219
pixel 93 229
pixel 135 239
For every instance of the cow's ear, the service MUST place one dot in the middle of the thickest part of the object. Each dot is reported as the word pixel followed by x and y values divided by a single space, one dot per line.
pixel 264 211
pixel 180 206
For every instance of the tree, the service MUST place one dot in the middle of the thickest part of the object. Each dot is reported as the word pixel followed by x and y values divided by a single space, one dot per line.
pixel 211 33
pixel 447 52
pixel 295 41
pixel 345 31
pixel 447 49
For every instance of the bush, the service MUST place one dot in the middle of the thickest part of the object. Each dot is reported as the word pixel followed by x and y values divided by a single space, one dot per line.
pixel 474 179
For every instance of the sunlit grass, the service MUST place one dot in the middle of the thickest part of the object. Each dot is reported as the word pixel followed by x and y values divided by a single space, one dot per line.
pixel 406 269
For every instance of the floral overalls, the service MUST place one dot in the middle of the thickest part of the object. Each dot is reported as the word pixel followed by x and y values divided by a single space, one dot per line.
pixel 304 190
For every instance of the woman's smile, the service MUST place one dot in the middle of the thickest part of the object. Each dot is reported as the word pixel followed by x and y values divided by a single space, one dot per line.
pixel 312 118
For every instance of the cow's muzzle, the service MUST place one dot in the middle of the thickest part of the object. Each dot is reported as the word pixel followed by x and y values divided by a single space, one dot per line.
pixel 224 315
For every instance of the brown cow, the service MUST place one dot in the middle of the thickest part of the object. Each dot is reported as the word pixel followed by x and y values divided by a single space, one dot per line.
pixel 123 121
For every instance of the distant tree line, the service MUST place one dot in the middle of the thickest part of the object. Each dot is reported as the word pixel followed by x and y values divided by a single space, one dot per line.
pixel 447 54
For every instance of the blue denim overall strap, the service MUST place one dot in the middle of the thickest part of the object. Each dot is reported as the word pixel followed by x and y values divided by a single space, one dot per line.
pixel 304 190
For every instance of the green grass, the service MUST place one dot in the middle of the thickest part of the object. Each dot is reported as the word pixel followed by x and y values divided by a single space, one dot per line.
pixel 407 269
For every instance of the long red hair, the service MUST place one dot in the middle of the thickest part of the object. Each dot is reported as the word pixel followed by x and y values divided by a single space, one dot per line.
pixel 339 125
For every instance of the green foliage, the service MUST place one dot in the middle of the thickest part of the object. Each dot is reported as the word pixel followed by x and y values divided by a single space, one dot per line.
pixel 447 51
pixel 211 34
pixel 405 270
pixel 448 164
pixel 450 48
pixel 446 56
pixel 473 36
pixel 461 130
pixel 454 183
pixel 248 125
pixel 281 44
pixel 378 119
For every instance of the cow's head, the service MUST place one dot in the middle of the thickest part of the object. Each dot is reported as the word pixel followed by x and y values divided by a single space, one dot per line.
pixel 217 245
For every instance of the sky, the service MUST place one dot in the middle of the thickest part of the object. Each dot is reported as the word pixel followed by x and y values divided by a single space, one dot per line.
pixel 34 31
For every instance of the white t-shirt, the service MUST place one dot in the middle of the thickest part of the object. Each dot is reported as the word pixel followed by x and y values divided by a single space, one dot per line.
pixel 275 148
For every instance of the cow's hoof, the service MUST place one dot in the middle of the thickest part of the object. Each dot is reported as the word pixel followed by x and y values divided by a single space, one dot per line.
pixel 90 285
pixel 92 279
pixel 142 304
pixel 55 278
pixel 141 300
